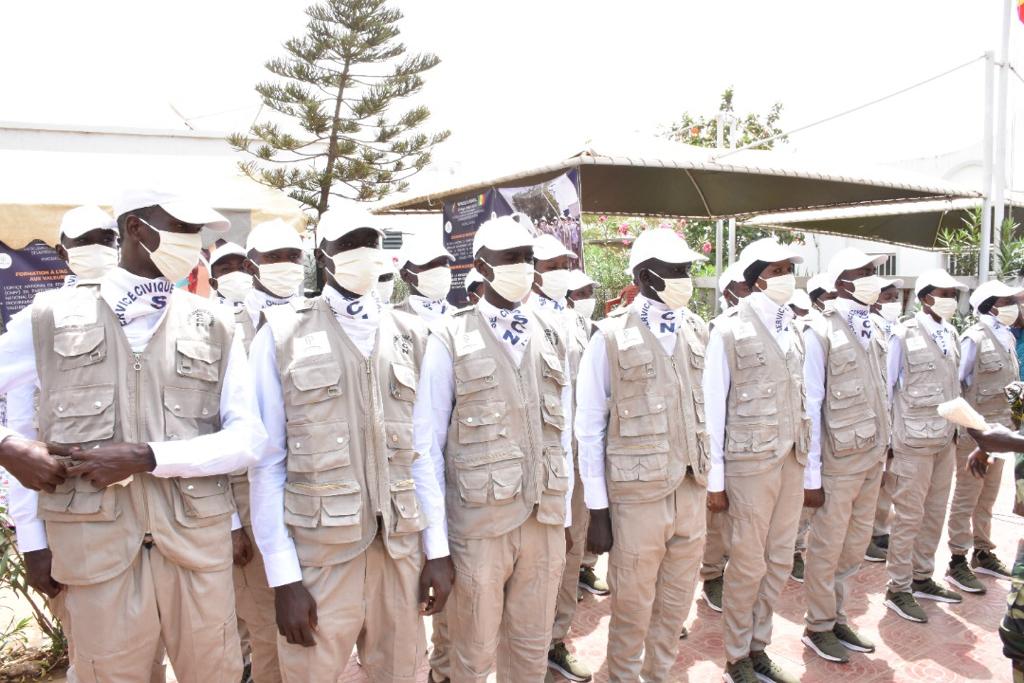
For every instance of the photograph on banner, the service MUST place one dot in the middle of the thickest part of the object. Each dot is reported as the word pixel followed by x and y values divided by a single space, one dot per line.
pixel 461 220
pixel 554 208
pixel 26 272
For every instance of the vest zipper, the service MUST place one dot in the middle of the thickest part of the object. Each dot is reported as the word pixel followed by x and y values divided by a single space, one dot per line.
pixel 681 384
pixel 372 446
pixel 138 434
pixel 529 431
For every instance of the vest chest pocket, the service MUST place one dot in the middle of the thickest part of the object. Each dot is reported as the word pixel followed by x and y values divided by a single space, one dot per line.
pixel 557 473
pixel 629 467
pixel 314 382
pixel 551 410
pixel 475 374
pixel 203 501
pixel 756 400
pixel 552 369
pixel 643 416
pixel 79 346
pixel 853 438
pixel 990 361
pixel 480 421
pixel 198 359
pixel 403 382
pixel 636 364
pixel 76 500
pixel 333 509
pixel 498 483
pixel 189 412
pixel 842 361
pixel 750 354
pixel 992 394
pixel 318 446
pixel 698 404
pixel 405 508
pixel 921 395
pixel 81 415
pixel 843 395
pixel 398 437
pixel 920 361
pixel 696 352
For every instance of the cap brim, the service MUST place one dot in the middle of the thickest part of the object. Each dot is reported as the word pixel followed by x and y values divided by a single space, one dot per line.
pixel 196 214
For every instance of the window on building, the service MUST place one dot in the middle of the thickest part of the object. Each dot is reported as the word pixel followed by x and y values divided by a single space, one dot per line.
pixel 887 269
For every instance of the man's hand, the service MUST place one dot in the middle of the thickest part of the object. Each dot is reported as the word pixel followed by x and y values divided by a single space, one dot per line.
pixel 296 614
pixel 37 569
pixel 998 439
pixel 718 501
pixel 977 463
pixel 814 498
pixel 241 547
pixel 106 465
pixel 33 463
pixel 599 533
pixel 568 540
pixel 436 579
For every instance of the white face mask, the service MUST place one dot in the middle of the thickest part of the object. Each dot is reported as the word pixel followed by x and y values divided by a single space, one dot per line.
pixel 92 261
pixel 282 279
pixel 723 303
pixel 357 270
pixel 866 289
pixel 512 282
pixel 891 311
pixel 385 290
pixel 176 254
pixel 678 291
pixel 234 286
pixel 434 283
pixel 944 307
pixel 555 283
pixel 585 307
pixel 1008 315
pixel 780 288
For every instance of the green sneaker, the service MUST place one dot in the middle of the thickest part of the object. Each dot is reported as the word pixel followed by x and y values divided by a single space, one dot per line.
pixel 929 590
pixel 797 572
pixel 740 672
pixel 960 575
pixel 986 562
pixel 904 604
pixel 768 671
pixel 590 582
pixel 826 645
pixel 565 663
pixel 712 593
pixel 852 640
pixel 875 553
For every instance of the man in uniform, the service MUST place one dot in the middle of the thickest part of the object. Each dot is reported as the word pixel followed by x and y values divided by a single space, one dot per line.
pixel 581 297
pixel 803 310
pixel 338 504
pixel 643 456
pixel 821 288
pixel 988 363
pixel 924 358
pixel 845 371
pixel 147 401
pixel 229 283
pixel 473 285
pixel 493 409
pixel 425 266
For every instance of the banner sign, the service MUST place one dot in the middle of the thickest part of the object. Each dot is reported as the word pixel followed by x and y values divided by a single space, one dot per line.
pixel 26 272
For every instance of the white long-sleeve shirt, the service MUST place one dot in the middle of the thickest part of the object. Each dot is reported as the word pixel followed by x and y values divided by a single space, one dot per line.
pixel 238 444
pixel 718 379
pixel 969 350
pixel 267 479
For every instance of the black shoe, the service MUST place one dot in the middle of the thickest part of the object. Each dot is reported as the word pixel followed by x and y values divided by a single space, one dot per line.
pixel 882 541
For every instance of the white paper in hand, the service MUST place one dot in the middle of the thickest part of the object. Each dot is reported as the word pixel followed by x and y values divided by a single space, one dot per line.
pixel 958 411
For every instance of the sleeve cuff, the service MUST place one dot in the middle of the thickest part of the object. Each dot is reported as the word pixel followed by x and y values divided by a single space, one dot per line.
pixel 282 568
pixel 435 541
pixel 716 478
pixel 236 521
pixel 165 457
pixel 31 536
pixel 812 476
pixel 595 493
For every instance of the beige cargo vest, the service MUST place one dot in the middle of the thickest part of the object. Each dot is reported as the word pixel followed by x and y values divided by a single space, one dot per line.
pixel 349 433
pixel 240 479
pixel 504 457
pixel 855 411
pixel 95 390
pixel 929 378
pixel 994 368
pixel 576 340
pixel 766 416
pixel 656 425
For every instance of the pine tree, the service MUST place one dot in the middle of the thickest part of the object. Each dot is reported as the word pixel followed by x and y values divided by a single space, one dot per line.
pixel 337 86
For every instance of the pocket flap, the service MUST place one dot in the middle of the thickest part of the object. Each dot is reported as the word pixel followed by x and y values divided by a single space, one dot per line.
pixel 556 461
pixel 553 361
pixel 404 375
pixel 82 401
pixel 69 342
pixel 641 405
pixel 751 348
pixel 553 404
pixel 753 392
pixel 203 487
pixel 199 350
pixel 475 368
pixel 990 391
pixel 347 505
pixel 317 437
pixel 315 375
pixel 508 476
pixel 635 356
pixel 846 390
pixel 478 414
pixel 398 435
pixel 191 402
pixel 474 480
pixel 922 390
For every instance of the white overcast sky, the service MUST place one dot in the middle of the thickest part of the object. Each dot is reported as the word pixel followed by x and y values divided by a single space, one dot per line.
pixel 532 78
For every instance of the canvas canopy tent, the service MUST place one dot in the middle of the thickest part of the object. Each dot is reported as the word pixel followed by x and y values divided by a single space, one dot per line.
pixel 914 224
pixel 657 177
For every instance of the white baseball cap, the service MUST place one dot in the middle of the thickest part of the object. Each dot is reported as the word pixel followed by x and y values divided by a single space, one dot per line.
pixel 769 250
pixel 340 221
pixel 938 278
pixel 422 247
pixel 993 288
pixel 578 280
pixel 800 300
pixel 851 258
pixel 82 219
pixel 227 249
pixel 547 247
pixel 734 273
pixel 501 233
pixel 825 281
pixel 887 283
pixel 184 210
pixel 271 236
pixel 472 277
pixel 662 244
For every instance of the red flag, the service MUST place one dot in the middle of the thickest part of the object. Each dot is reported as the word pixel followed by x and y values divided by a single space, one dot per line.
pixel 1020 10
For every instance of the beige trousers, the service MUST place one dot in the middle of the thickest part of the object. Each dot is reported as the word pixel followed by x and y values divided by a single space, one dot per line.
pixel 883 508
pixel 371 601
pixel 764 510
pixel 254 604
pixel 919 501
pixel 716 546
pixel 440 652
pixel 117 625
pixel 840 531
pixel 565 607
pixel 802 527
pixel 504 602
pixel 970 513
pixel 652 572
